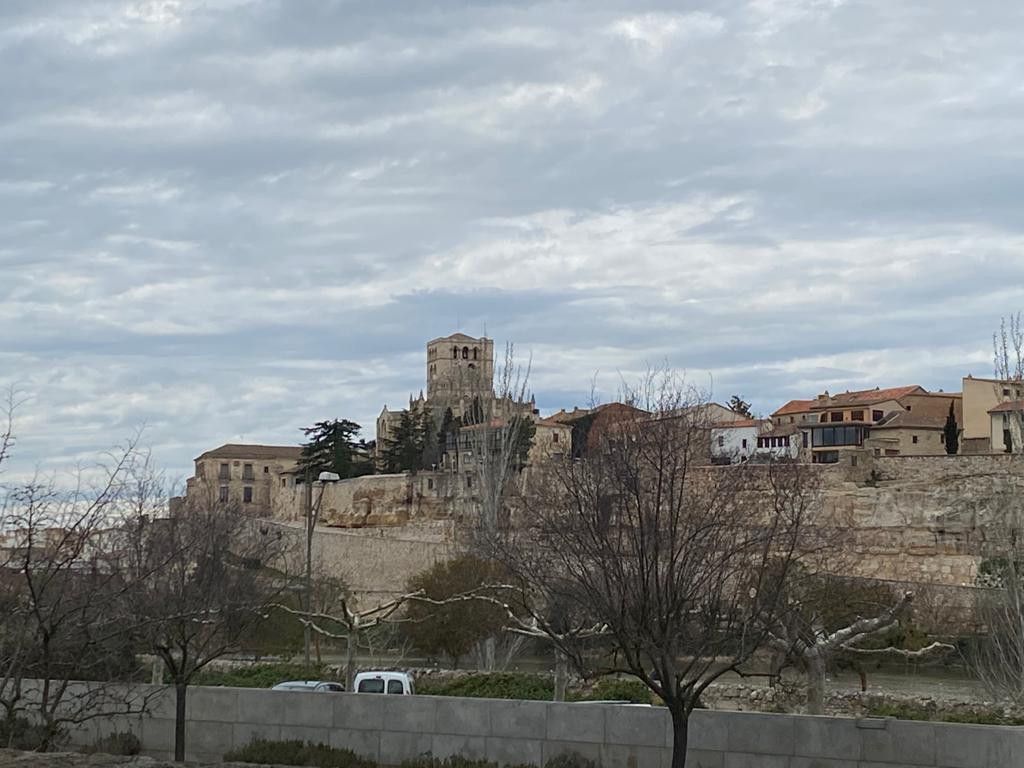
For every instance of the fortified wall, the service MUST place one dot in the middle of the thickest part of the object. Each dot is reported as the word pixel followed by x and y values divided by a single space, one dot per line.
pixel 915 519
pixel 929 519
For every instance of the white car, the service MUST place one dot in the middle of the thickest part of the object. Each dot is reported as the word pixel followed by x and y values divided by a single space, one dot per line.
pixel 317 686
pixel 384 682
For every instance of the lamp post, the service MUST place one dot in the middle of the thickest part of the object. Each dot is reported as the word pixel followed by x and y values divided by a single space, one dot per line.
pixel 312 514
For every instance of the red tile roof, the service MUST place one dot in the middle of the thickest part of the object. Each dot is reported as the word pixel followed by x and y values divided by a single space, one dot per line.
pixel 868 396
pixel 1009 406
pixel 240 451
pixel 738 424
pixel 794 406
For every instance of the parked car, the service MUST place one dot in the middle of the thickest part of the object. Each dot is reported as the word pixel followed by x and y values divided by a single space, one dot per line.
pixel 384 682
pixel 317 686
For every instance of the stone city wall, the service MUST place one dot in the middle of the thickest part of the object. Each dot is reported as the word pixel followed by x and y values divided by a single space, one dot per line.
pixel 390 729
pixel 917 519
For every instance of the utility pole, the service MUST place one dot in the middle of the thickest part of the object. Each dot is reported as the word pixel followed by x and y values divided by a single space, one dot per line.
pixel 312 514
pixel 306 631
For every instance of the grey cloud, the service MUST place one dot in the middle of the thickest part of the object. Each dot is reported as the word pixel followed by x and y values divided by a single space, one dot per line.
pixel 231 218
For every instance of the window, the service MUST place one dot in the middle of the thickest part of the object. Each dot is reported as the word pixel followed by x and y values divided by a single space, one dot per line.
pixel 476 352
pixel 826 457
pixel 554 438
pixel 266 470
pixel 837 436
pixel 909 408
pixel 430 484
pixel 857 416
pixel 790 419
pixel 835 416
pixel 721 441
pixel 469 481
pixel 247 494
pixel 455 352
pixel 395 686
pixel 823 417
pixel 284 481
pixel 225 471
pixel 1006 392
pixel 805 439
pixel 744 444
pixel 371 686
pixel 465 353
pixel 913 439
pixel 223 493
pixel 247 472
pixel 877 415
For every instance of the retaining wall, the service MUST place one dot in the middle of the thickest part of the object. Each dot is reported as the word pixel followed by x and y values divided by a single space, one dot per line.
pixel 391 729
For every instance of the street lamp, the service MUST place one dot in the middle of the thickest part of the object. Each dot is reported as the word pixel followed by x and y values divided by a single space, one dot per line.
pixel 312 515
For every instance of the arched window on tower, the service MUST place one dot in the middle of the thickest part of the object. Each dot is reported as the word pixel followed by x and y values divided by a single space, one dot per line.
pixel 455 353
pixel 465 353
pixel 476 352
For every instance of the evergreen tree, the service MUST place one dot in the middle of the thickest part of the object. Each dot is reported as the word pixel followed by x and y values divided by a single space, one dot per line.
pixel 403 451
pixel 738 405
pixel 951 432
pixel 430 453
pixel 332 446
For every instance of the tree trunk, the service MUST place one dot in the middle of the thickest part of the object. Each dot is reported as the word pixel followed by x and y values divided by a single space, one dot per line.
pixel 815 671
pixel 350 661
pixel 680 735
pixel 490 651
pixel 561 675
pixel 180 689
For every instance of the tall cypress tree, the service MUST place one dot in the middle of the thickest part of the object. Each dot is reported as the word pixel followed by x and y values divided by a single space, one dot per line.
pixel 951 432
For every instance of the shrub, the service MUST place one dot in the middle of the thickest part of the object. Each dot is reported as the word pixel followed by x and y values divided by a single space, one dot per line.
pixel 619 689
pixel 906 711
pixel 118 743
pixel 503 685
pixel 456 761
pixel 261 675
pixel 295 752
pixel 570 760
pixel 21 733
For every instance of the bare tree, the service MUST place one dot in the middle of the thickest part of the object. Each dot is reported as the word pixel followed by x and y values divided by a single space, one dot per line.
pixel 496 436
pixel 62 597
pixel 682 564
pixel 210 578
pixel 823 619
pixel 1008 362
pixel 350 624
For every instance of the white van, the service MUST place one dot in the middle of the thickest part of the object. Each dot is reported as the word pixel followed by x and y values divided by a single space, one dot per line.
pixel 384 682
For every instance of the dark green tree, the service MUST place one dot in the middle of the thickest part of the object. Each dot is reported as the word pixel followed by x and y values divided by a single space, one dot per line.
pixel 951 432
pixel 430 453
pixel 738 405
pixel 332 446
pixel 453 629
pixel 523 431
pixel 403 450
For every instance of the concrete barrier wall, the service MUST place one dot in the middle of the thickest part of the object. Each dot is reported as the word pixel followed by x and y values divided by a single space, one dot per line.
pixel 391 729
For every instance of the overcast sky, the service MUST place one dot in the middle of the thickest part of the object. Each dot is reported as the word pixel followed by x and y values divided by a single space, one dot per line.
pixel 226 219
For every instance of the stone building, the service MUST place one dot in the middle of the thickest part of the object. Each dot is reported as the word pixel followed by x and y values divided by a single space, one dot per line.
pixel 987 409
pixel 245 475
pixel 460 378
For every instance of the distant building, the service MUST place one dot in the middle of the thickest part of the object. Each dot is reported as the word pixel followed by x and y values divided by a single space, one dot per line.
pixel 883 420
pixel 987 409
pixel 243 475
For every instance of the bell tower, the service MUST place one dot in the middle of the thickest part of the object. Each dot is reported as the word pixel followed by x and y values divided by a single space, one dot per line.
pixel 459 366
